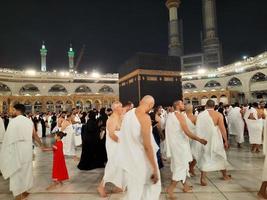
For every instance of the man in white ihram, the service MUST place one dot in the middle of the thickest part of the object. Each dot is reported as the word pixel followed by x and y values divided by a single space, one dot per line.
pixel 177 139
pixel 113 172
pixel 211 157
pixel 237 124
pixel 138 153
pixel 2 131
pixel 16 153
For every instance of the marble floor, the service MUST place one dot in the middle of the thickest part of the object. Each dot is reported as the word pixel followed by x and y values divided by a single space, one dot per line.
pixel 246 172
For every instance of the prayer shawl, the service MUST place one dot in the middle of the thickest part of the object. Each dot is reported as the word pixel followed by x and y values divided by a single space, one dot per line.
pixel 134 161
pixel 211 157
pixel 237 125
pixel 113 171
pixel 179 149
pixel 16 155
pixel 255 127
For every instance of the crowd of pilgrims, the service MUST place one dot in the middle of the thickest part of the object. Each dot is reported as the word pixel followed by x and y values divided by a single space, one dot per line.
pixel 177 143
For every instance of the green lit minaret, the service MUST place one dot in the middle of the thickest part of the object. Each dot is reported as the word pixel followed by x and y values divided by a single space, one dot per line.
pixel 43 52
pixel 71 55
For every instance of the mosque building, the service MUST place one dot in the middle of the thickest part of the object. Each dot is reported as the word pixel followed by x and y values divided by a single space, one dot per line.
pixel 42 91
pixel 203 75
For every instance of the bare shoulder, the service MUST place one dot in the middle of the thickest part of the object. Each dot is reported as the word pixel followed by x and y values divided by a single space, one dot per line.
pixel 179 115
pixel 218 114
pixel 144 119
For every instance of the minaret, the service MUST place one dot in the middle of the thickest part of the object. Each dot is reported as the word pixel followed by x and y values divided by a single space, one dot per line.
pixel 211 44
pixel 71 54
pixel 43 52
pixel 175 45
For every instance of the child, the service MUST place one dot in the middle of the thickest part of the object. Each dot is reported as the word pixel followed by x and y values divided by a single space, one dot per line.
pixel 59 172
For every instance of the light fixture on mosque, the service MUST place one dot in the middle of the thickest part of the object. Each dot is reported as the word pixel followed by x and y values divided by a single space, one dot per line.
pixel 31 72
pixel 95 74
pixel 238 63
pixel 55 71
pixel 245 57
pixel 201 71
pixel 211 75
pixel 85 72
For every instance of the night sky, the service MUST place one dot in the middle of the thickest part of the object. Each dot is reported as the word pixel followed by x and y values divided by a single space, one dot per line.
pixel 113 30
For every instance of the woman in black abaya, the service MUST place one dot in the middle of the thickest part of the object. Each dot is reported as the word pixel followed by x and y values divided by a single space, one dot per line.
pixel 91 153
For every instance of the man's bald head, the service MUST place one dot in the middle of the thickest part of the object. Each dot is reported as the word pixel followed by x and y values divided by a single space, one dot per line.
pixel 116 107
pixel 147 102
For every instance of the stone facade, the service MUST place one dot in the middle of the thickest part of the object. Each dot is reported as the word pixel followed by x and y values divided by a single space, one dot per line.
pixel 56 91
pixel 243 82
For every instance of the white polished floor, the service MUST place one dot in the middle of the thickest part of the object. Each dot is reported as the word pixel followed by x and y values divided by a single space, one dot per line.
pixel 246 173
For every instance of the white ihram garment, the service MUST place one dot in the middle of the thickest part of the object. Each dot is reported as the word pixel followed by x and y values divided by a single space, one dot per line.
pixel 134 161
pixel 192 127
pixel 264 172
pixel 2 131
pixel 237 125
pixel 113 171
pixel 179 147
pixel 69 142
pixel 16 155
pixel 229 119
pixel 77 126
pixel 39 129
pixel 265 133
pixel 254 127
pixel 211 157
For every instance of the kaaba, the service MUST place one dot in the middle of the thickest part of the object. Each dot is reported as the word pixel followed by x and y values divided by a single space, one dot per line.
pixel 150 74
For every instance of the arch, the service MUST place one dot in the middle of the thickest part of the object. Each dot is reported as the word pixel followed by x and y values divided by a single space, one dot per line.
pixel 5 107
pixel 224 99
pixel 29 89
pixel 188 86
pixel 15 102
pixel 38 106
pixel 97 104
pixel 59 106
pixel 83 89
pixel 28 107
pixel 79 104
pixel 105 89
pixel 258 77
pixel 105 103
pixel 50 106
pixel 87 105
pixel 212 84
pixel 214 98
pixel 68 106
pixel 234 82
pixel 259 95
pixel 204 100
pixel 4 89
pixel 195 101
pixel 58 89
pixel 187 100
